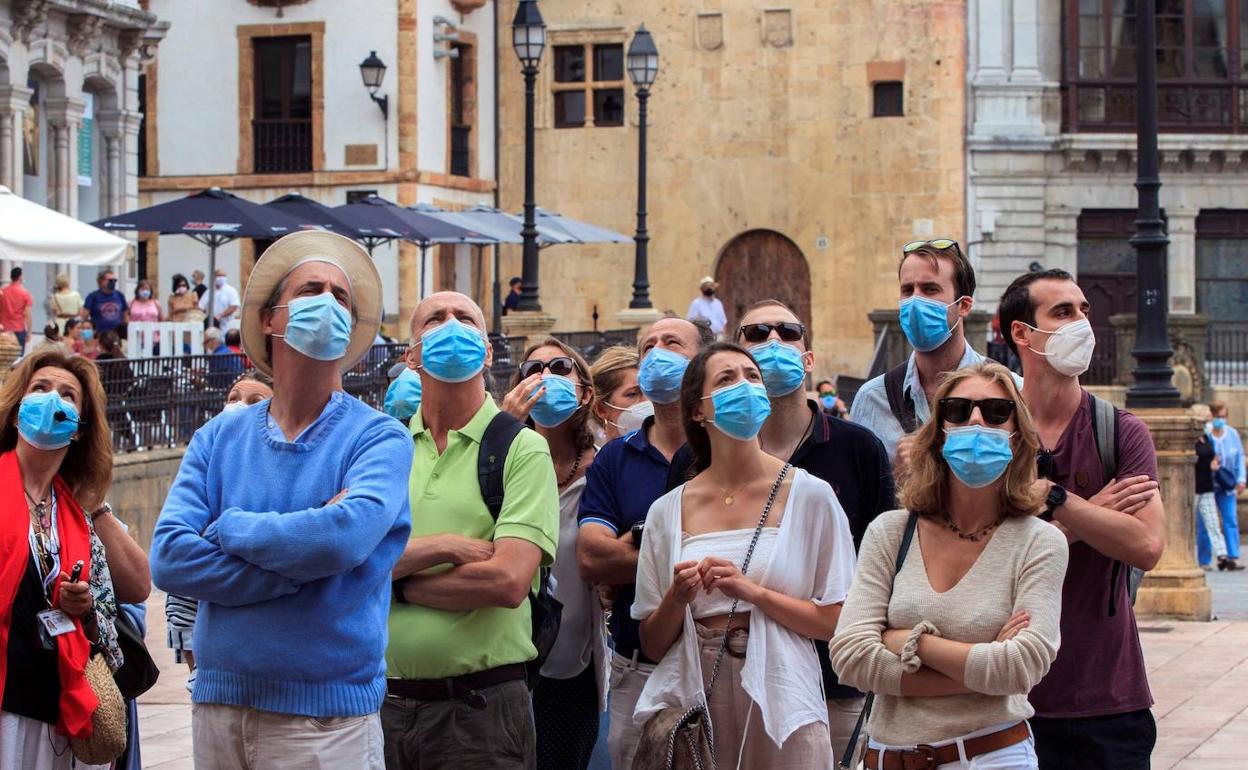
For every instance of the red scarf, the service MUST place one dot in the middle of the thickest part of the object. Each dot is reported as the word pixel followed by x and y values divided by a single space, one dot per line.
pixel 78 701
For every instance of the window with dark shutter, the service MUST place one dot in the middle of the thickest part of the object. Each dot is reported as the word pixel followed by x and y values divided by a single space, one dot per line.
pixel 282 126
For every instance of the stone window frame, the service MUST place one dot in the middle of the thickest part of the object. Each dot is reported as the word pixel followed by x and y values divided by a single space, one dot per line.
pixel 467 46
pixel 247 34
pixel 587 39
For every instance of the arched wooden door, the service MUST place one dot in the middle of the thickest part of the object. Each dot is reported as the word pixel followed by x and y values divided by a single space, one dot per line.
pixel 758 265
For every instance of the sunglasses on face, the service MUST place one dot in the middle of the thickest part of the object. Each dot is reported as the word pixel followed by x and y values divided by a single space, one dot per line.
pixel 789 331
pixel 995 411
pixel 940 244
pixel 561 366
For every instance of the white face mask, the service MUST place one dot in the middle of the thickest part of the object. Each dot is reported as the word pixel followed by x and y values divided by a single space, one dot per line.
pixel 631 418
pixel 1070 347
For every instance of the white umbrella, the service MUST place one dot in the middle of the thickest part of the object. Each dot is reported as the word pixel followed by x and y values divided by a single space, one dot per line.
pixel 33 233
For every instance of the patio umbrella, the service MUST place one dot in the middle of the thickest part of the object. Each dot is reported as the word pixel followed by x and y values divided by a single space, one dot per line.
pixel 578 231
pixel 313 213
pixel 213 217
pixel 33 233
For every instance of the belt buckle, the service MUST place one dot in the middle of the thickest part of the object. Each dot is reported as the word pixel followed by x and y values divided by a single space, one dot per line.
pixel 926 753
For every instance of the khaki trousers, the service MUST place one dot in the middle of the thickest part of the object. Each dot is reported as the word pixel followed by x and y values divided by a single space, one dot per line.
pixel 628 678
pixel 842 719
pixel 237 738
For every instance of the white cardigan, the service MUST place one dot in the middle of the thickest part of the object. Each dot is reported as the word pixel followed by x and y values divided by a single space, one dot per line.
pixel 813 559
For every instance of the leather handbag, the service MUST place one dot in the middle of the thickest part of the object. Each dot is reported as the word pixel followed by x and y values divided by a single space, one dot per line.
pixel 683 739
pixel 108 723
pixel 139 672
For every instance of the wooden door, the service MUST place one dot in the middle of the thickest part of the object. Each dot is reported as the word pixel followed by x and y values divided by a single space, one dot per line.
pixel 1109 294
pixel 759 265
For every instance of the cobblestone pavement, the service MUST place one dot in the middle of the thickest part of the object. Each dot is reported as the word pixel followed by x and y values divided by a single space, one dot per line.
pixel 1198 673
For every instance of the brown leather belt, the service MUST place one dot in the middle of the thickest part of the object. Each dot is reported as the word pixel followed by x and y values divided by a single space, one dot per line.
pixel 463 688
pixel 929 758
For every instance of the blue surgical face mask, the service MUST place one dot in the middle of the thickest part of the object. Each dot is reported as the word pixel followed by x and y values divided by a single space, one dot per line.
pixel 453 352
pixel 403 396
pixel 740 409
pixel 557 404
pixel 660 374
pixel 318 327
pixel 88 335
pixel 925 322
pixel 976 454
pixel 47 421
pixel 781 365
pixel 828 401
pixel 1219 423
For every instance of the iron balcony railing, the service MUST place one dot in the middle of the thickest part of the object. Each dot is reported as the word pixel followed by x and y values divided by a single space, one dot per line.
pixel 282 145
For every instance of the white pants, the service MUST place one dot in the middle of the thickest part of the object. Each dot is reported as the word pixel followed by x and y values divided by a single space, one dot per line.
pixel 28 744
pixel 235 738
pixel 1020 756
pixel 628 678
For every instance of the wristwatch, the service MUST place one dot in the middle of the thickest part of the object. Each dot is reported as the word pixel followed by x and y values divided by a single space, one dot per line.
pixel 1055 500
pixel 105 508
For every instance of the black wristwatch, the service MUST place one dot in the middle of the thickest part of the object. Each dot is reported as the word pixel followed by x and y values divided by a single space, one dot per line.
pixel 637 530
pixel 1055 500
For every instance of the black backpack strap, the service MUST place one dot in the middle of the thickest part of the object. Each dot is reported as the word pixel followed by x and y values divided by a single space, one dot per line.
pixel 492 457
pixel 1105 420
pixel 900 402
pixel 847 759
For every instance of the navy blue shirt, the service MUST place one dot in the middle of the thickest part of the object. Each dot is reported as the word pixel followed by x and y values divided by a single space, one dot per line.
pixel 627 475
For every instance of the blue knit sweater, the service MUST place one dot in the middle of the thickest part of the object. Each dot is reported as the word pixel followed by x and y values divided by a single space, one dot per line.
pixel 293 593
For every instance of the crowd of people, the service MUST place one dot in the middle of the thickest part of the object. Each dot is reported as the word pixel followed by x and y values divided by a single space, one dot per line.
pixel 678 539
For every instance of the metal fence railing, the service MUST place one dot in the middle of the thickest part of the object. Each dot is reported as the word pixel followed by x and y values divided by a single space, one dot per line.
pixel 592 343
pixel 1226 357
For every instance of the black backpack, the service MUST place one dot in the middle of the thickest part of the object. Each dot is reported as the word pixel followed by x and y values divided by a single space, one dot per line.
pixel 1105 419
pixel 900 403
pixel 545 610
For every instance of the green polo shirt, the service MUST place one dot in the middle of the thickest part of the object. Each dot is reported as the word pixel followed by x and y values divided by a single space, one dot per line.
pixel 428 643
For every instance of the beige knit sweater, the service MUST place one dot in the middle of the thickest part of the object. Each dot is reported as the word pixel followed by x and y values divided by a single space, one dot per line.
pixel 1021 568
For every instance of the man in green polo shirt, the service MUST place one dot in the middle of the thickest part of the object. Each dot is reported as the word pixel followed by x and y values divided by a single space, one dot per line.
pixel 460 629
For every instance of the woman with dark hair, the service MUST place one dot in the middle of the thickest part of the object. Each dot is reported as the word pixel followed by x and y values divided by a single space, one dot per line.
pixel 182 302
pixel 56 464
pixel 953 641
pixel 739 569
pixel 552 392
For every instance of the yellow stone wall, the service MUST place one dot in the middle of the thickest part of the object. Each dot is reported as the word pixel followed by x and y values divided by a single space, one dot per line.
pixel 757 133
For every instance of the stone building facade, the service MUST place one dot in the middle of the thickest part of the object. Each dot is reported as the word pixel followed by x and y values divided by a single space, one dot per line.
pixel 768 166
pixel 70 111
pixel 264 98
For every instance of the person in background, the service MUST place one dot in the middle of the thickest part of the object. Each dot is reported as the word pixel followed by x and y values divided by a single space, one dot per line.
pixel 199 287
pixel 619 406
pixel 146 308
pixel 552 393
pixel 703 610
pixel 110 347
pixel 52 340
pixel 224 303
pixel 180 612
pixel 224 365
pixel 1209 543
pixel 1228 485
pixel 105 307
pixel 182 302
pixel 708 308
pixel 403 395
pixel 953 641
pixel 64 303
pixel 80 335
pixel 828 401
pixel 513 295
pixel 15 307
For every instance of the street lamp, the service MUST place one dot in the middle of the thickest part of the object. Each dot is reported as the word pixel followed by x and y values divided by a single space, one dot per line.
pixel 373 70
pixel 643 68
pixel 1152 384
pixel 528 37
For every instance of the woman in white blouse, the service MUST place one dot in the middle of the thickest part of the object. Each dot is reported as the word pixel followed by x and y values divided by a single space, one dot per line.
pixel 954 642
pixel 767 707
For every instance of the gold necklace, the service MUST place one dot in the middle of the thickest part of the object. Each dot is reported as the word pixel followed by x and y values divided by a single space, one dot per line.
pixel 730 497
pixel 975 536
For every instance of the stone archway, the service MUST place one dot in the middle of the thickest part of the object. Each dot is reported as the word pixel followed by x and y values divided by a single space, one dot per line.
pixel 758 265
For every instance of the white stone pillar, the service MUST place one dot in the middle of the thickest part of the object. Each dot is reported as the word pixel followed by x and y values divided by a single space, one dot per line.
pixel 1061 236
pixel 992 33
pixel 1181 259
pixel 1025 23
pixel 64 120
pixel 112 132
pixel 14 101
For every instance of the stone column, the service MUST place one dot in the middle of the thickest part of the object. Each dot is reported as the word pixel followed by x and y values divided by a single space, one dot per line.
pixel 1181 258
pixel 639 317
pixel 64 121
pixel 534 326
pixel 1025 64
pixel 14 101
pixel 990 37
pixel 1176 587
pixel 112 132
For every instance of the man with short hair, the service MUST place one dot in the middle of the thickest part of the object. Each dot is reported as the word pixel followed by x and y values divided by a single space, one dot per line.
pixel 106 307
pixel 224 301
pixel 15 305
pixel 847 456
pixel 628 474
pixel 512 300
pixel 708 308
pixel 225 365
pixel 937 286
pixel 284 525
pixel 1099 471
pixel 461 627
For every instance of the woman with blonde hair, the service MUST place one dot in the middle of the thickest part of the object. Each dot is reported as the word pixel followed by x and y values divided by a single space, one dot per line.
pixel 953 639
pixel 65 303
pixel 619 406
pixel 56 593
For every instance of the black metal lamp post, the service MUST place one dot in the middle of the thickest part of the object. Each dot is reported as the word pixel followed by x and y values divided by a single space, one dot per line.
pixel 528 37
pixel 373 70
pixel 1152 385
pixel 643 68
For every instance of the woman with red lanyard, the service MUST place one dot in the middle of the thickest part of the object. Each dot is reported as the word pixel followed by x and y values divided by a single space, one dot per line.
pixel 55 463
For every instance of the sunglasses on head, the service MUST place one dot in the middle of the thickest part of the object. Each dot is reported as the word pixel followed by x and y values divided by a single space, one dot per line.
pixel 789 331
pixel 995 411
pixel 940 244
pixel 561 366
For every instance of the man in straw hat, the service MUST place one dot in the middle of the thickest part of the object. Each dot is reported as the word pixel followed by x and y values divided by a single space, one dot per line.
pixel 284 523
pixel 708 309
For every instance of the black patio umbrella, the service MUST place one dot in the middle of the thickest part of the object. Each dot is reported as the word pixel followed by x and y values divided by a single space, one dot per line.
pixel 213 217
pixel 312 213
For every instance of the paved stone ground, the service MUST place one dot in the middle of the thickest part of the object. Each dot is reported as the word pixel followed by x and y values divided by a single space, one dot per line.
pixel 1198 672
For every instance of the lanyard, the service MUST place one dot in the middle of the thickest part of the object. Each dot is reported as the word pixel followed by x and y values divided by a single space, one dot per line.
pixel 46 547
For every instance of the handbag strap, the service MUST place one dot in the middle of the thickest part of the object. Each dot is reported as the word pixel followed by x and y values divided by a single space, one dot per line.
pixel 745 565
pixel 848 757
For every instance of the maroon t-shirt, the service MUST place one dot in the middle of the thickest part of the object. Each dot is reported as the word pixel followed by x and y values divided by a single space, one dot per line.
pixel 1100 667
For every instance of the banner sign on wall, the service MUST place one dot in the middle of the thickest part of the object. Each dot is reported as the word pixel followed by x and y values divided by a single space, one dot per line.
pixel 85 143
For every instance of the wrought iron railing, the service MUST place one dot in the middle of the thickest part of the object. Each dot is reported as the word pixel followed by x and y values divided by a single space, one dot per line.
pixel 1226 357
pixel 591 343
pixel 282 145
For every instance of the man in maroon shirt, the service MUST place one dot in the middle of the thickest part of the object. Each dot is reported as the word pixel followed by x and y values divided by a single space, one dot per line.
pixel 1092 709
pixel 15 305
